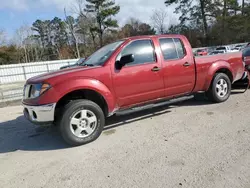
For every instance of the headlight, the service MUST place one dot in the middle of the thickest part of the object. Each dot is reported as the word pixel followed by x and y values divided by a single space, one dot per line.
pixel 38 89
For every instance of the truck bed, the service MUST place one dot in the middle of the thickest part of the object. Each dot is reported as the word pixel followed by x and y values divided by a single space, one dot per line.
pixel 233 62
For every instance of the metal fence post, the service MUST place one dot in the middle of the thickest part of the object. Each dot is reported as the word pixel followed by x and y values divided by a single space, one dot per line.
pixel 24 73
pixel 1 92
pixel 47 65
pixel 1 95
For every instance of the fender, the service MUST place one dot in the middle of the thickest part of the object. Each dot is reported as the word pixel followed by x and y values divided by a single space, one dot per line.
pixel 62 88
pixel 216 66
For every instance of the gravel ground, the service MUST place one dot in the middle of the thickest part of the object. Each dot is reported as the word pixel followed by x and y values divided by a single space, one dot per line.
pixel 190 144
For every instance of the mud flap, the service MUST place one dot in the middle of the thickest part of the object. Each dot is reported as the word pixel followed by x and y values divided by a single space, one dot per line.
pixel 243 83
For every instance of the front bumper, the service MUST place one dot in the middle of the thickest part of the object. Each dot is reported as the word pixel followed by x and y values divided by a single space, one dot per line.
pixel 43 114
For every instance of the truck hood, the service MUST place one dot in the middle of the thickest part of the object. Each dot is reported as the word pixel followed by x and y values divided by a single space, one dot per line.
pixel 47 77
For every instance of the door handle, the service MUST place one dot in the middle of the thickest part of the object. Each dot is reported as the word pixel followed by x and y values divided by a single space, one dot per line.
pixel 186 64
pixel 155 69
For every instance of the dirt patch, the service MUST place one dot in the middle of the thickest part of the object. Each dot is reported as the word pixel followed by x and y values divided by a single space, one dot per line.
pixel 109 132
pixel 210 113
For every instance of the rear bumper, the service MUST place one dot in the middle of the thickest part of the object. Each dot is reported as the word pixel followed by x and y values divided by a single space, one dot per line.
pixel 242 83
pixel 40 115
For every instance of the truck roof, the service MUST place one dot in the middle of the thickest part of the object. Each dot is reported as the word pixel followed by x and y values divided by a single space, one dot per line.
pixel 152 36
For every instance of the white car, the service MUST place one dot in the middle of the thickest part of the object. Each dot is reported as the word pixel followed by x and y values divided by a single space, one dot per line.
pixel 226 49
pixel 217 52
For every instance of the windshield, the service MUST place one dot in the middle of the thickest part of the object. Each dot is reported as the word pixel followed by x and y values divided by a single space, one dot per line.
pixel 80 61
pixel 101 55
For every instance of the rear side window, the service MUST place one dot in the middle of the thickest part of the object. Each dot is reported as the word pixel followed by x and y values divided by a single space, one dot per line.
pixel 180 48
pixel 172 48
pixel 168 48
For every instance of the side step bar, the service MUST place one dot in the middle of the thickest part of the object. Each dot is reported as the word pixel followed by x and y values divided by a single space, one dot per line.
pixel 154 105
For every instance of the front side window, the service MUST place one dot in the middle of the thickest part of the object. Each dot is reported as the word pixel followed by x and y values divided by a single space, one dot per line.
pixel 142 50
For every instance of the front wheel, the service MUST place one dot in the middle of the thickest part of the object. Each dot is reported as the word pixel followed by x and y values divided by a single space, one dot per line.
pixel 82 122
pixel 220 88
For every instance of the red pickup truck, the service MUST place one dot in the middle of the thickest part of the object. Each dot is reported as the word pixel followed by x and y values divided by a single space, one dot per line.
pixel 128 73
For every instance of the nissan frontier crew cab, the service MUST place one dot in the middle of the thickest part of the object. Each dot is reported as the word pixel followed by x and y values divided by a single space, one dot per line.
pixel 128 73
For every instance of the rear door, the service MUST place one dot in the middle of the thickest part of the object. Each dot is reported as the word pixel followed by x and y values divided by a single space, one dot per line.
pixel 178 67
pixel 141 80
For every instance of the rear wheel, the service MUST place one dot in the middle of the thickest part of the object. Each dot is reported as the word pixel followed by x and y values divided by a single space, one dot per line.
pixel 82 122
pixel 220 88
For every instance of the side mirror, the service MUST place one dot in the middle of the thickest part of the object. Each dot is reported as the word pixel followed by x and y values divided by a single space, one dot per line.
pixel 125 60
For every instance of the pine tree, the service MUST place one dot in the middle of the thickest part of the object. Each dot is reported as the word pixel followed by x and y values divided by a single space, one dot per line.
pixel 200 11
pixel 103 11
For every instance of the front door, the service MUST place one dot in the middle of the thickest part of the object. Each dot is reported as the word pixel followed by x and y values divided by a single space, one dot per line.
pixel 178 67
pixel 139 81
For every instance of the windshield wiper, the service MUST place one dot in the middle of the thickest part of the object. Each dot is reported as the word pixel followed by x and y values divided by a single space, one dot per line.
pixel 88 65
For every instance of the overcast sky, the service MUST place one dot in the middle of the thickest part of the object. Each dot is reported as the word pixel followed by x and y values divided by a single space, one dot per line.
pixel 14 13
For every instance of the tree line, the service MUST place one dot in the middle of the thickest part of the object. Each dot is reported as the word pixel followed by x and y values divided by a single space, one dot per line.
pixel 92 24
pixel 212 22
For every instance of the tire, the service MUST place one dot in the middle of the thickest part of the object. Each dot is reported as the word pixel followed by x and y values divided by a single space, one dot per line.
pixel 214 93
pixel 74 110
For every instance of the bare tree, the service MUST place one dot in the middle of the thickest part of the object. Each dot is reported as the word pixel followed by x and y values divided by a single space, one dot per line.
pixel 72 27
pixel 86 25
pixel 3 37
pixel 86 22
pixel 21 39
pixel 158 19
pixel 78 8
pixel 243 7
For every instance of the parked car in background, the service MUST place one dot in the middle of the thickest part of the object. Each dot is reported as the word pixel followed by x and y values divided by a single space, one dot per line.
pixel 80 61
pixel 130 73
pixel 202 52
pixel 217 52
pixel 236 49
pixel 240 47
pixel 226 49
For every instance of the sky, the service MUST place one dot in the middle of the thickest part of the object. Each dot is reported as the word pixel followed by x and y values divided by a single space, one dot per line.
pixel 14 13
